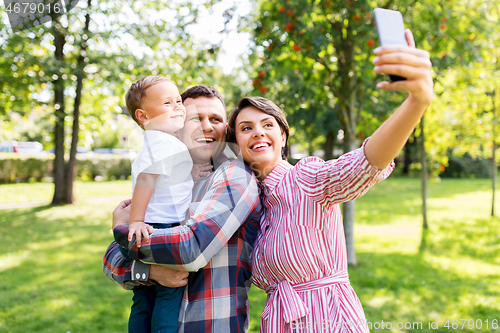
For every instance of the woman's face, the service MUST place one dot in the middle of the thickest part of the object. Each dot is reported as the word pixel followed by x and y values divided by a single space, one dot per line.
pixel 260 140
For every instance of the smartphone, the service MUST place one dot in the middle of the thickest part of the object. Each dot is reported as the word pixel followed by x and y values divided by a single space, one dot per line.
pixel 391 31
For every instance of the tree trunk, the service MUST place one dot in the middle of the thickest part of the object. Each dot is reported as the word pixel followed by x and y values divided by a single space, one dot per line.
pixel 407 155
pixel 424 175
pixel 60 113
pixel 348 210
pixel 71 167
pixel 329 143
pixel 347 118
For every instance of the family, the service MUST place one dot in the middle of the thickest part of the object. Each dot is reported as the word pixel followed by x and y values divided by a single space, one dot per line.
pixel 217 207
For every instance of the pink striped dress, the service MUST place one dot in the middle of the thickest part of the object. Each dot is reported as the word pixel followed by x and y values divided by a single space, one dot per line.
pixel 300 255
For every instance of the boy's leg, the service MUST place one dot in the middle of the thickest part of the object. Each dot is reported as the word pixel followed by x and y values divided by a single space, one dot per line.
pixel 142 309
pixel 166 310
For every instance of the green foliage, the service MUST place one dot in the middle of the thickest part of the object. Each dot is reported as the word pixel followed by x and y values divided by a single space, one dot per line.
pixel 108 166
pixel 23 167
pixel 314 59
pixel 160 47
pixel 17 167
pixel 126 41
pixel 462 117
pixel 462 41
pixel 32 126
pixel 467 167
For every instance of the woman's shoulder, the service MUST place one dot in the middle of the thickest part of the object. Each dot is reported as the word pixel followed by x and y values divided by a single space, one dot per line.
pixel 310 162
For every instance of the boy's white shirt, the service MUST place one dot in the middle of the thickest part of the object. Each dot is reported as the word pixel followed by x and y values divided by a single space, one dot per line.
pixel 165 155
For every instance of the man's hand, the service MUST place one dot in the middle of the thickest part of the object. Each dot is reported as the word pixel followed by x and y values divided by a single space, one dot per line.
pixel 139 229
pixel 121 213
pixel 168 277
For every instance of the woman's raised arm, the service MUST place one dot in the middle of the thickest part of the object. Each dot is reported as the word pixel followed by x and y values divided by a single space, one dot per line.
pixel 415 66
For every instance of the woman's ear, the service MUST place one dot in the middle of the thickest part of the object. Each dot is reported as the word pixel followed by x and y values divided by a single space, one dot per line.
pixel 283 139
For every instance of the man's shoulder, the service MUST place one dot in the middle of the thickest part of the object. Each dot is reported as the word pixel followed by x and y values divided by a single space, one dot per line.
pixel 234 170
pixel 234 164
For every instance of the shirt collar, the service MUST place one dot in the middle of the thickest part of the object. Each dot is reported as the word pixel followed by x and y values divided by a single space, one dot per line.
pixel 219 160
pixel 275 176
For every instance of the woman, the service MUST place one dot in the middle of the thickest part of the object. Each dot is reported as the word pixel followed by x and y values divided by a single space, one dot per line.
pixel 300 256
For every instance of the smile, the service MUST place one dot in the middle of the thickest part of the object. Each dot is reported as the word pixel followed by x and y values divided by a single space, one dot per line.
pixel 260 145
pixel 205 140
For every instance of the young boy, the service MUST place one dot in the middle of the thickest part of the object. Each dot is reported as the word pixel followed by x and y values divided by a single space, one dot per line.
pixel 162 185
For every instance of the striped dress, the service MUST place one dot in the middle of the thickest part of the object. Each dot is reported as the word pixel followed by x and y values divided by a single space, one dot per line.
pixel 300 253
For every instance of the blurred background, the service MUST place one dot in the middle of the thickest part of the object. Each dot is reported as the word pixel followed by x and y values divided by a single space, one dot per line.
pixel 426 240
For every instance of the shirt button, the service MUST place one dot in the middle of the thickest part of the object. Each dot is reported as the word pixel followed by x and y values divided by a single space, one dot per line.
pixel 137 276
pixel 144 276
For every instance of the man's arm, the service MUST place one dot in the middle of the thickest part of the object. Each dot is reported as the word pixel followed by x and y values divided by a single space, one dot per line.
pixel 232 196
pixel 130 273
pixel 118 268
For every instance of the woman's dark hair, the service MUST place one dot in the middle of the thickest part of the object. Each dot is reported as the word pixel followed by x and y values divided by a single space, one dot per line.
pixel 263 105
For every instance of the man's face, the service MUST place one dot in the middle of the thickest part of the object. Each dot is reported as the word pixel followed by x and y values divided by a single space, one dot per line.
pixel 204 131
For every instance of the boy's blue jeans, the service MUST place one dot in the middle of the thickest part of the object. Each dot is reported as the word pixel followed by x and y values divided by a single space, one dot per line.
pixel 155 308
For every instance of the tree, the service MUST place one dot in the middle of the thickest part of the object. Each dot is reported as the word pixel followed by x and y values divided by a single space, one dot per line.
pixel 332 42
pixel 89 56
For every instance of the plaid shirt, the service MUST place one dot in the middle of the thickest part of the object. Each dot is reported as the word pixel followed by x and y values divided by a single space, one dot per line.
pixel 215 245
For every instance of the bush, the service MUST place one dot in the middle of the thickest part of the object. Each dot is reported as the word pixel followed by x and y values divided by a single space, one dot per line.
pixel 467 167
pixel 22 167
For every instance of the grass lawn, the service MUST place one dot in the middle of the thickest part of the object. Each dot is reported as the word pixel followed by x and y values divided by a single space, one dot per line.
pixel 43 192
pixel 51 279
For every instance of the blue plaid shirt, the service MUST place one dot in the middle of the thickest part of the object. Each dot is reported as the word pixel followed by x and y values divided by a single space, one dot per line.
pixel 215 245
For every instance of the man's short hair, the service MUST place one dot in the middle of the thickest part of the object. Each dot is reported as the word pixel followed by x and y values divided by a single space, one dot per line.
pixel 202 90
pixel 137 91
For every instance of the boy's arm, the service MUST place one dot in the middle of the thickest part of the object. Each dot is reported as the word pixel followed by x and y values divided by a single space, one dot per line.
pixel 415 65
pixel 140 199
pixel 232 197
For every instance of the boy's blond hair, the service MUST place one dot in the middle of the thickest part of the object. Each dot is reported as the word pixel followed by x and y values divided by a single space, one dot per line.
pixel 137 91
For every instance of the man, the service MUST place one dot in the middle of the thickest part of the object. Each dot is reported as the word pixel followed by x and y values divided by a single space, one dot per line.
pixel 215 244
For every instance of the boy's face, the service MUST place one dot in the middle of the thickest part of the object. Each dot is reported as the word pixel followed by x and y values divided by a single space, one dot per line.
pixel 162 108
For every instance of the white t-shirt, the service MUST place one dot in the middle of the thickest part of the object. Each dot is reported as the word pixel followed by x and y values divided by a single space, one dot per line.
pixel 165 155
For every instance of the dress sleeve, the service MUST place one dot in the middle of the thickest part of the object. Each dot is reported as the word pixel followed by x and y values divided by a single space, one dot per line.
pixel 344 179
pixel 230 199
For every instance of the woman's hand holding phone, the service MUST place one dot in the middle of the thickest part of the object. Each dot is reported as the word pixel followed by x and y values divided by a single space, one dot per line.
pixel 409 62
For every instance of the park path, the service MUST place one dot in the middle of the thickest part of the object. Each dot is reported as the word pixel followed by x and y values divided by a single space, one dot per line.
pixel 38 204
